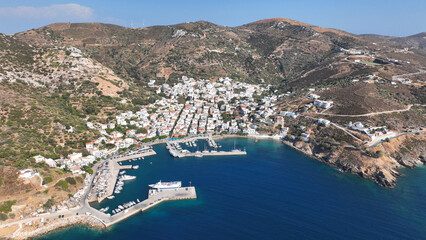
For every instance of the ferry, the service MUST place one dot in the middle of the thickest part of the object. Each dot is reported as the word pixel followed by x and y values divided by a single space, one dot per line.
pixel 127 177
pixel 166 185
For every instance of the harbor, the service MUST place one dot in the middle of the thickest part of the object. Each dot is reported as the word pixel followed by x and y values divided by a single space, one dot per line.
pixel 107 173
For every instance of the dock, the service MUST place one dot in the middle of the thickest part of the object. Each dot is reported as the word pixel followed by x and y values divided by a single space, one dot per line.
pixel 178 154
pixel 154 197
pixel 176 151
pixel 145 153
pixel 113 170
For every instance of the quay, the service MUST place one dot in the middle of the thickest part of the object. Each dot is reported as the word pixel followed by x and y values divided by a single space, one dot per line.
pixel 108 174
pixel 144 153
pixel 178 154
pixel 176 151
pixel 154 197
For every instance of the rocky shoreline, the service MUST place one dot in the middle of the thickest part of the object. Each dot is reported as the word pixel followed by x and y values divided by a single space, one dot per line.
pixel 383 174
pixel 26 232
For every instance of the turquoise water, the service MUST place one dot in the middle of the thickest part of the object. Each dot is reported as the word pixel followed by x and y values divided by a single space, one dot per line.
pixel 272 193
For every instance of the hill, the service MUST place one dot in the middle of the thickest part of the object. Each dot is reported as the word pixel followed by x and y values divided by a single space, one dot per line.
pixel 55 78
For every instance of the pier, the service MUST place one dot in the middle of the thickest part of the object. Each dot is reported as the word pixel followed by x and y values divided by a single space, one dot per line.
pixel 139 154
pixel 154 197
pixel 178 154
pixel 176 151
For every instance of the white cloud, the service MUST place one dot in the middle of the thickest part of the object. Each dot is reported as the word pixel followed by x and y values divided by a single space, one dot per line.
pixel 62 12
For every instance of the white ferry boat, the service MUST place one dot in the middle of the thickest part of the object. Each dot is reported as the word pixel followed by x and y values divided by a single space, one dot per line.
pixel 166 185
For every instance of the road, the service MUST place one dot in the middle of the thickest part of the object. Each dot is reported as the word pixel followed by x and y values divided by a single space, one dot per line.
pixel 366 114
pixel 339 127
pixel 372 145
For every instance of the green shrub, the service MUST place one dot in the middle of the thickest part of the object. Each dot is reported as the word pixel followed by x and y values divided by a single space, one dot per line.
pixel 3 217
pixel 70 180
pixel 62 185
pixel 7 206
pixel 49 203
pixel 47 180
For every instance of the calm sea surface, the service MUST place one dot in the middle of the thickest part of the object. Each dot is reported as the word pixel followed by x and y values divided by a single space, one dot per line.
pixel 274 192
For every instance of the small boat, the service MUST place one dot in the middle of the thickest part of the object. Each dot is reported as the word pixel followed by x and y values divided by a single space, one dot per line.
pixel 136 167
pixel 121 207
pixel 137 200
pixel 127 177
pixel 104 209
pixel 122 172
pixel 111 197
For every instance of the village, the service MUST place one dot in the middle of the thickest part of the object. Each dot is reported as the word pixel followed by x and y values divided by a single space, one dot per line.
pixel 202 107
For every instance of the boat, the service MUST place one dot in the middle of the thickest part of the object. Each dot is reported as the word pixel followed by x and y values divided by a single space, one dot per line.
pixel 127 177
pixel 166 185
pixel 111 197
pixel 122 172
pixel 121 207
pixel 104 209
pixel 117 191
pixel 198 155
pixel 135 167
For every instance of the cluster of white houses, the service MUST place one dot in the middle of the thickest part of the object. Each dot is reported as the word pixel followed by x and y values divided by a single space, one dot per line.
pixel 375 133
pixel 192 107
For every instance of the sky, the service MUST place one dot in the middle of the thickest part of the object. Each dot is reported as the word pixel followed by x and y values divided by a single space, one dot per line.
pixel 385 17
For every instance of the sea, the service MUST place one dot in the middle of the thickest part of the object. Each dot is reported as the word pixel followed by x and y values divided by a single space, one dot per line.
pixel 274 192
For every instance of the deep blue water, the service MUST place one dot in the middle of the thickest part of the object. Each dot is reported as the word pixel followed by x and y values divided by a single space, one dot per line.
pixel 272 193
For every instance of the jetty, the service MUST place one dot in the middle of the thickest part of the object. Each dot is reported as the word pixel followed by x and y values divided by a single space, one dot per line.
pixel 180 154
pixel 154 197
pixel 176 151
pixel 145 152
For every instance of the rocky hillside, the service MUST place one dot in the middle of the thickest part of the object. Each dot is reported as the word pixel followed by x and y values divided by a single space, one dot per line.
pixel 53 78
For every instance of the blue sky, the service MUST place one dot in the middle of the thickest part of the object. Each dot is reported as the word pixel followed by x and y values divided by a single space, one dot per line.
pixel 391 17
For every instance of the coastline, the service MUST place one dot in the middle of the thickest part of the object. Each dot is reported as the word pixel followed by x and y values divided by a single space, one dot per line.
pixel 35 231
pixel 94 223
